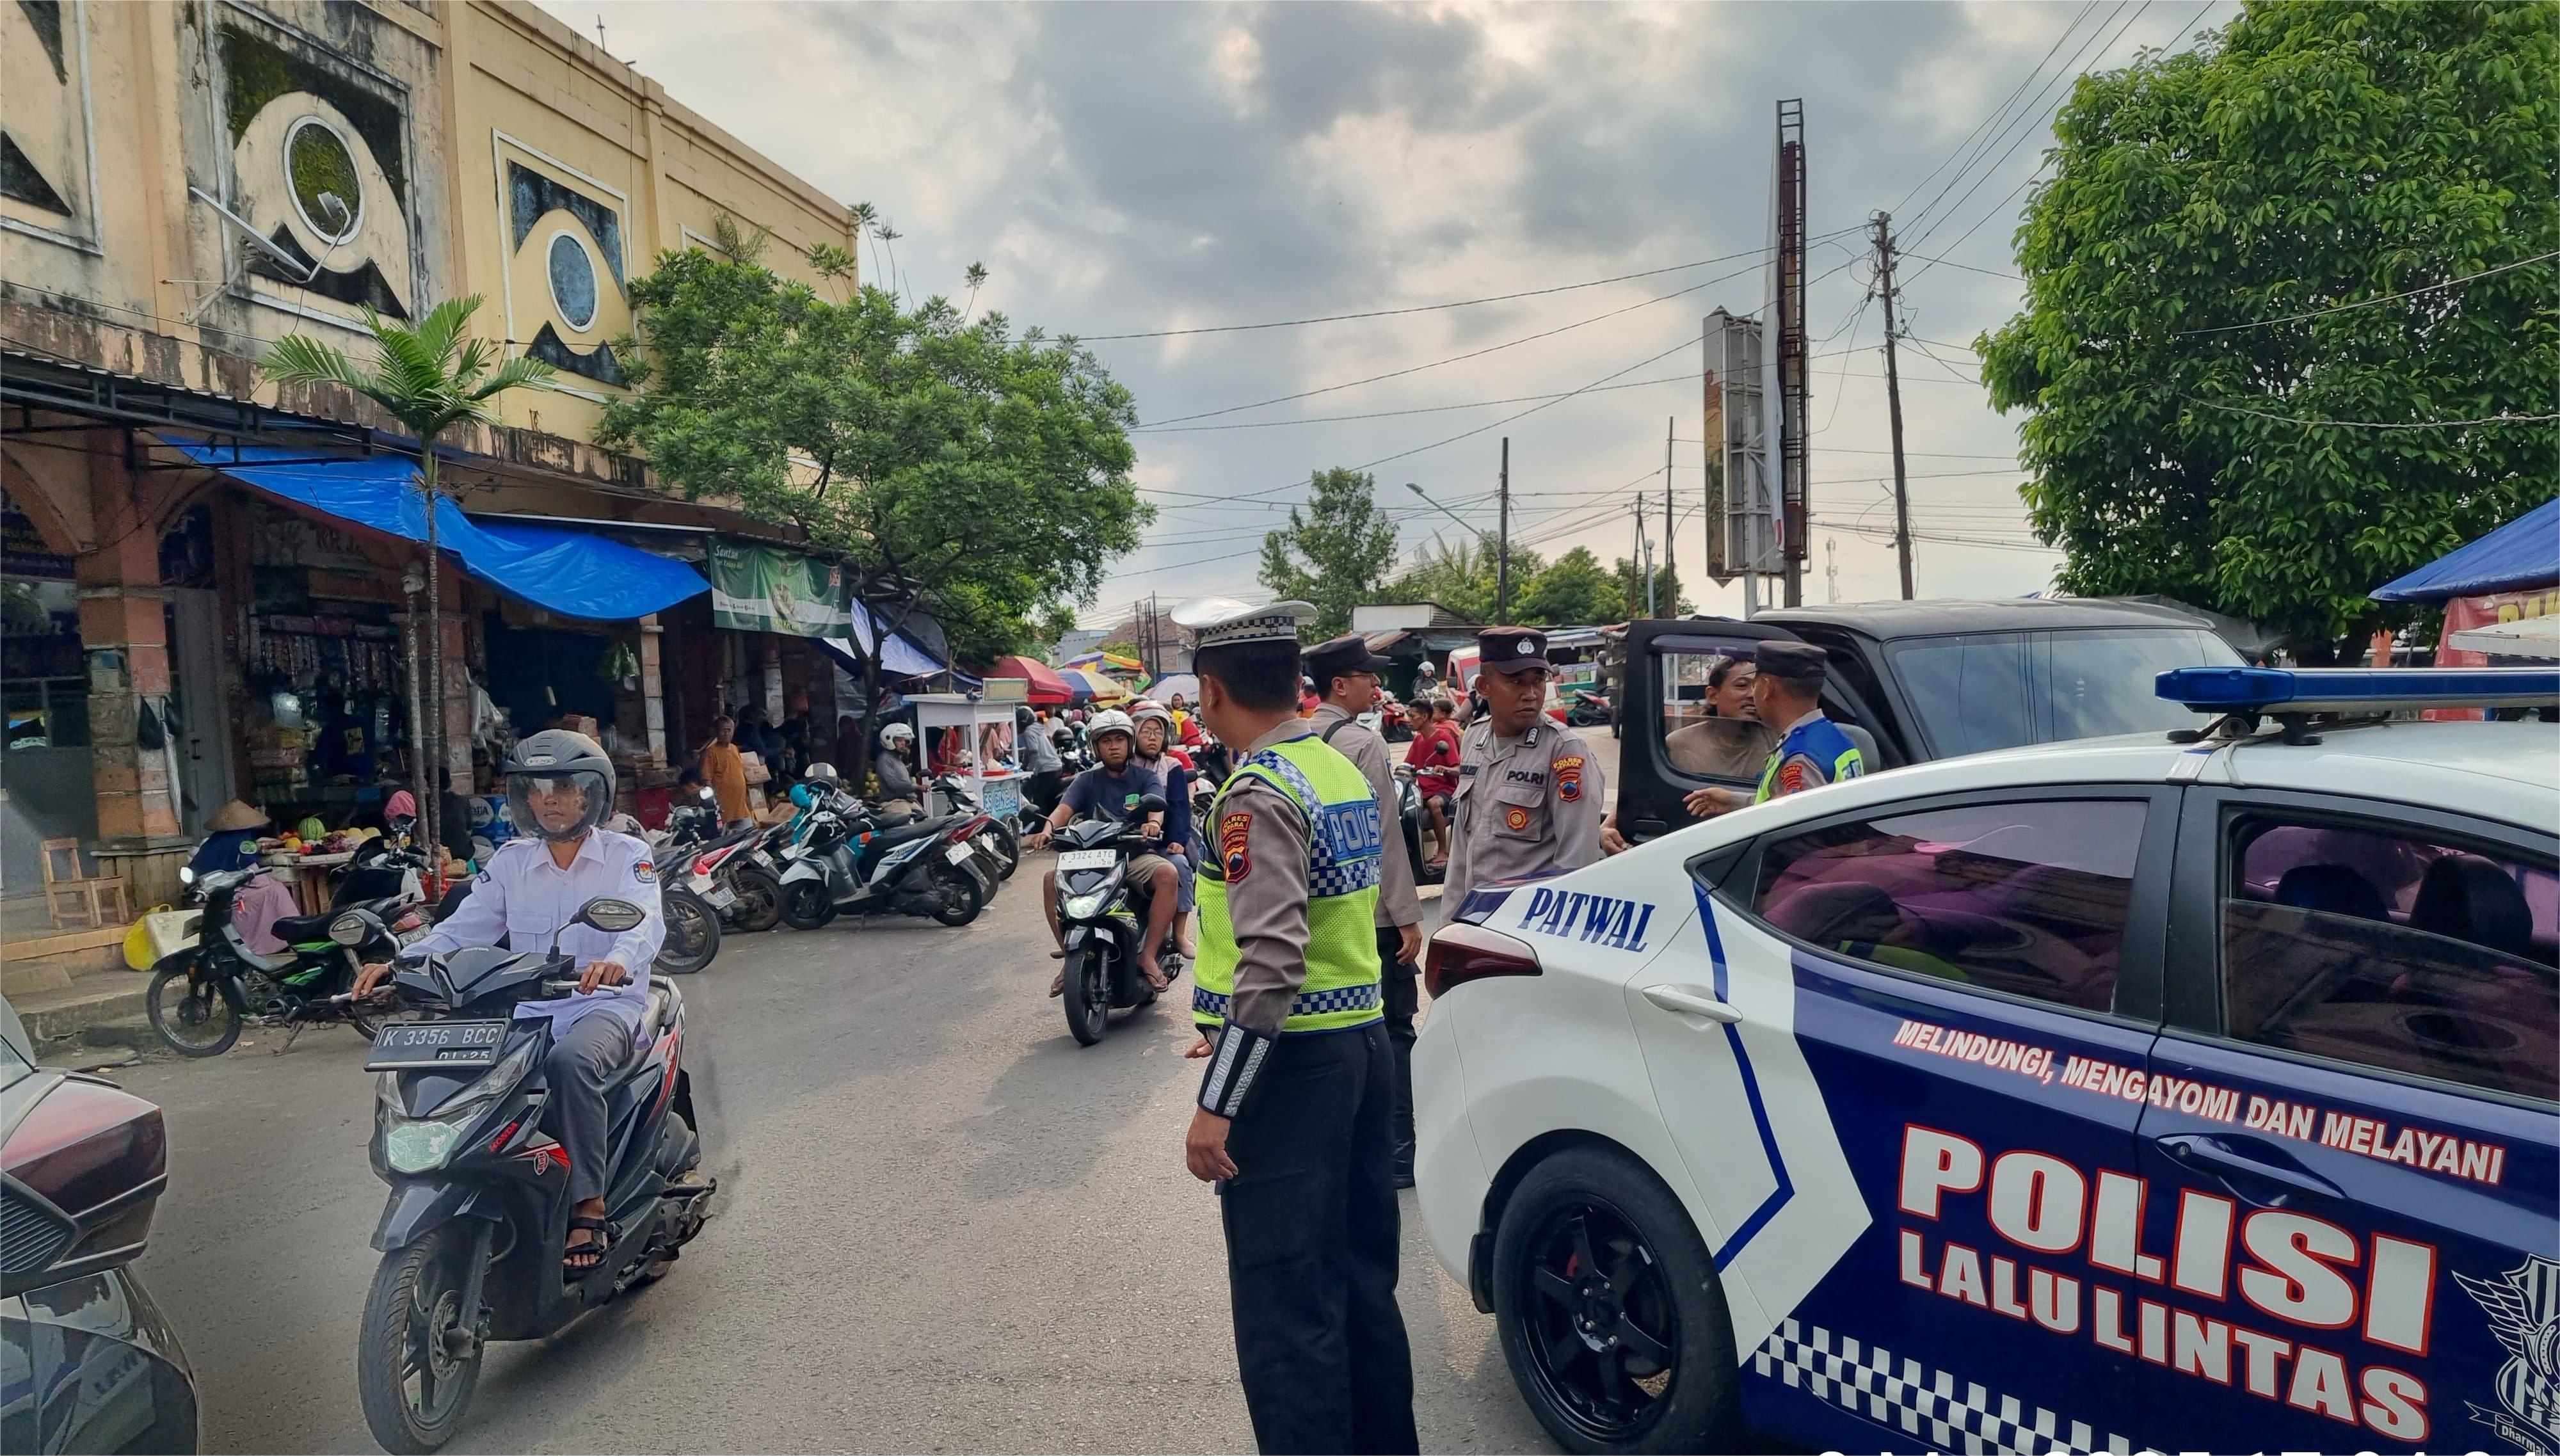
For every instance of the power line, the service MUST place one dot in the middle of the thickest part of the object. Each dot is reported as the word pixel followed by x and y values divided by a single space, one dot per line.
pixel 1669 379
pixel 2374 423
pixel 2007 120
pixel 1334 318
pixel 1995 111
pixel 2370 302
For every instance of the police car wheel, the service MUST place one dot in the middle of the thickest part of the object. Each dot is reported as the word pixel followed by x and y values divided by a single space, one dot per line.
pixel 1610 1312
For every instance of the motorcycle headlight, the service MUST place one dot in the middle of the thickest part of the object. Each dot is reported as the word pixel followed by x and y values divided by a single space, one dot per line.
pixel 422 1144
pixel 1086 907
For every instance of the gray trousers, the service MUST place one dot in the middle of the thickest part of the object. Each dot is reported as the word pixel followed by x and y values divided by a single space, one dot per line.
pixel 580 1071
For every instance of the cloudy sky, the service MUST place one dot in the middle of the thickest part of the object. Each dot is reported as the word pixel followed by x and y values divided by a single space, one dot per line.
pixel 1137 169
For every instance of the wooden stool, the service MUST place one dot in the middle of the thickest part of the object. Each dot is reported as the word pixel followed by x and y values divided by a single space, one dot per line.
pixel 77 901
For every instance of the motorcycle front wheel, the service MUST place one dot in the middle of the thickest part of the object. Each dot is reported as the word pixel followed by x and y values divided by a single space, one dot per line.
pixel 197 1020
pixel 806 905
pixel 693 933
pixel 760 899
pixel 1088 995
pixel 955 894
pixel 412 1374
pixel 1009 850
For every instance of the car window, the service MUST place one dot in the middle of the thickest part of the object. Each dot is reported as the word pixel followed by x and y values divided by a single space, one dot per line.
pixel 1969 693
pixel 2027 897
pixel 2393 949
pixel 2087 685
pixel 1696 742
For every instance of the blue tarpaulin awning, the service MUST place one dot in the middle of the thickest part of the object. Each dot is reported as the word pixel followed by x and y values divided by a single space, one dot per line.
pixel 2516 557
pixel 901 659
pixel 566 571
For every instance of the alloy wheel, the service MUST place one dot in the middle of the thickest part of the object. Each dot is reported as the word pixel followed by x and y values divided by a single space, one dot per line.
pixel 1601 1321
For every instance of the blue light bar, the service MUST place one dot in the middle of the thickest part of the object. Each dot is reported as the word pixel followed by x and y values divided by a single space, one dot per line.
pixel 2356 690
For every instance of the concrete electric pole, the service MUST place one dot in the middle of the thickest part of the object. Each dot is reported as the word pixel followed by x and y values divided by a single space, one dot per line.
pixel 1893 400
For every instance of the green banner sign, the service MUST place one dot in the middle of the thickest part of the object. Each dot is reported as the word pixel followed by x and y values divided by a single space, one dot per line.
pixel 757 588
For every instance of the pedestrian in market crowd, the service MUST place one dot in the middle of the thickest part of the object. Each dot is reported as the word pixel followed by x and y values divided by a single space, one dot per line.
pixel 1044 773
pixel 1297 1099
pixel 230 839
pixel 1346 672
pixel 1786 693
pixel 1529 792
pixel 724 769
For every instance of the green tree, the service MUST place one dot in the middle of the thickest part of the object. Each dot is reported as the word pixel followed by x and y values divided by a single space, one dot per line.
pixel 1576 590
pixel 951 465
pixel 1462 578
pixel 430 378
pixel 2197 269
pixel 1347 546
pixel 1628 581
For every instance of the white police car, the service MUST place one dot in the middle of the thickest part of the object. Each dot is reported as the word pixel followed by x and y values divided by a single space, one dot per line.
pixel 2106 1095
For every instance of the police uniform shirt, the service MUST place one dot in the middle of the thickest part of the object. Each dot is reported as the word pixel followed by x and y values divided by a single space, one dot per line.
pixel 1525 805
pixel 1259 845
pixel 523 898
pixel 1397 903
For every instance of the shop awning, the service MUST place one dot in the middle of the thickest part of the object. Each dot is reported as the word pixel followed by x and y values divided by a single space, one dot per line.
pixel 570 572
pixel 901 659
pixel 2521 555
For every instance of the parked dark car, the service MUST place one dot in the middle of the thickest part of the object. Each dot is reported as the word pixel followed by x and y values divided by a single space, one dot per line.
pixel 1913 681
pixel 86 1363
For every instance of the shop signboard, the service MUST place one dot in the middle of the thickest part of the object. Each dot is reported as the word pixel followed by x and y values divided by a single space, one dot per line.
pixel 756 588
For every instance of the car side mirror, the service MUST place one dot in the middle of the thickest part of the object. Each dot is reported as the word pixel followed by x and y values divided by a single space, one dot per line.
pixel 610 915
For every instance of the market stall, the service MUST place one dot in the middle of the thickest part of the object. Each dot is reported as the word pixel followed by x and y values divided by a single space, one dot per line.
pixel 973 738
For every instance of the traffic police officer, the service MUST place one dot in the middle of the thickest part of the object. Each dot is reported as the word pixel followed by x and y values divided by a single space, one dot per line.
pixel 1528 794
pixel 1811 750
pixel 1345 674
pixel 1296 1100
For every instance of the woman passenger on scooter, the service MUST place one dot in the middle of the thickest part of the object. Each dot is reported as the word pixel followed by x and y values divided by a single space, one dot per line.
pixel 1155 750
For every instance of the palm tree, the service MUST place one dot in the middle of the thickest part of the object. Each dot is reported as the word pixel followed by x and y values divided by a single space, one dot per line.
pixel 429 378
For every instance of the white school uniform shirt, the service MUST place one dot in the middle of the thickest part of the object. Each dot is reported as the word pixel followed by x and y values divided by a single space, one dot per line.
pixel 521 897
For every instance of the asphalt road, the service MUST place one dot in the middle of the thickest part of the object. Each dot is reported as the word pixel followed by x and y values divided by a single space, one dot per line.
pixel 945 1227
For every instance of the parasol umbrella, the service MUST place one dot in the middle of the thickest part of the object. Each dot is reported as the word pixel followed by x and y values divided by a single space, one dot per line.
pixel 1109 661
pixel 1048 689
pixel 1103 689
pixel 1184 682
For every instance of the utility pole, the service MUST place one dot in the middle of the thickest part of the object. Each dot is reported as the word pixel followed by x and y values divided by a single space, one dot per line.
pixel 1645 561
pixel 1671 530
pixel 1893 400
pixel 1831 566
pixel 1503 549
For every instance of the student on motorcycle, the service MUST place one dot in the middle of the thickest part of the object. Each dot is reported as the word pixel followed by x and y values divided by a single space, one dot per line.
pixel 560 789
pixel 1155 726
pixel 1111 789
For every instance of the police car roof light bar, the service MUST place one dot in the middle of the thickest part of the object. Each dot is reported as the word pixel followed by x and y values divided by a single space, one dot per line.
pixel 2284 692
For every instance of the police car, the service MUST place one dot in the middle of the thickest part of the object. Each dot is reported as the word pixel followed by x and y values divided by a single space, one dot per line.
pixel 2189 1092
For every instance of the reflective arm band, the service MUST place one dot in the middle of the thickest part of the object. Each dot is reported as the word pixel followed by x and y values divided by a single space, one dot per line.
pixel 1231 1070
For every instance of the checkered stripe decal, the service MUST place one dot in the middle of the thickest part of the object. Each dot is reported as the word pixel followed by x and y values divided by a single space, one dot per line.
pixel 1932 1406
pixel 1351 879
pixel 1308 1003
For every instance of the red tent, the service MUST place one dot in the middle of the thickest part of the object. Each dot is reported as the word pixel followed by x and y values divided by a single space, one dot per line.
pixel 1048 689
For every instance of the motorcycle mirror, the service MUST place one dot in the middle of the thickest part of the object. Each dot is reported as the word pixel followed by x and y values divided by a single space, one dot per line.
pixel 610 915
pixel 355 928
pixel 1152 804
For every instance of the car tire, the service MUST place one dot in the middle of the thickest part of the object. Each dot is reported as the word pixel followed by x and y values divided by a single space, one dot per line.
pixel 1651 1326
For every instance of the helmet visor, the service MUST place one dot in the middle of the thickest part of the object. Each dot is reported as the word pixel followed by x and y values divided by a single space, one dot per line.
pixel 558 806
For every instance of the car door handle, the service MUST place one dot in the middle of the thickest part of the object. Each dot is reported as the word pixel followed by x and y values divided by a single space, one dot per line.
pixel 2244 1157
pixel 1692 1000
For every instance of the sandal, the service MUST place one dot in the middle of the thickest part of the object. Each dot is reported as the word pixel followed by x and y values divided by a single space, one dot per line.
pixel 594 1250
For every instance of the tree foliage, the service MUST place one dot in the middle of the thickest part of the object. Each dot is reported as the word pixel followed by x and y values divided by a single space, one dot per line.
pixel 1461 577
pixel 1574 591
pixel 1336 552
pixel 2313 155
pixel 1628 581
pixel 952 465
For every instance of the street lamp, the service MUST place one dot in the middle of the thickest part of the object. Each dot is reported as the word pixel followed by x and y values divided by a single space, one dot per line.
pixel 1443 510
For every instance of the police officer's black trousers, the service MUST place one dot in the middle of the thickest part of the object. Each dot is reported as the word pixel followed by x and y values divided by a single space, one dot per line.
pixel 1403 1001
pixel 1311 1250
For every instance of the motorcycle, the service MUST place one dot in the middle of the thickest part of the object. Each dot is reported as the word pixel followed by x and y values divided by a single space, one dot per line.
pixel 1418 826
pixel 1588 708
pixel 1102 928
pixel 1395 723
pixel 841 862
pixel 475 1231
pixel 1001 842
pixel 220 984
pixel 692 929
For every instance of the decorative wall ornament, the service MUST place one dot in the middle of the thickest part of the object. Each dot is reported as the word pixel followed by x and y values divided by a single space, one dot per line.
pixel 567 292
pixel 47 146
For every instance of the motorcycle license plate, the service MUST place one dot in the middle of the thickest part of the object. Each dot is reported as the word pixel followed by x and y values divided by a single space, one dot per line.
pixel 719 896
pixel 959 854
pixel 1074 860
pixel 410 1045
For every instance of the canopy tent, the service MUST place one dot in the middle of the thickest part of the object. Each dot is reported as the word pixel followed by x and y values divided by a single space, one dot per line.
pixel 1102 689
pixel 571 572
pixel 1172 683
pixel 2521 555
pixel 1047 689
pixel 2535 637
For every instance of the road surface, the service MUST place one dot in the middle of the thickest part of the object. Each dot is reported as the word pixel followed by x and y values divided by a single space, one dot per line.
pixel 944 1227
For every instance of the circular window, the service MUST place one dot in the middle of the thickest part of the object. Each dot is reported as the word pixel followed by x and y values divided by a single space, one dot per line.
pixel 327 190
pixel 573 281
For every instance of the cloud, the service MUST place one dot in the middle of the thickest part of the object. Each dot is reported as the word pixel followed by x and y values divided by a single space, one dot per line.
pixel 1127 167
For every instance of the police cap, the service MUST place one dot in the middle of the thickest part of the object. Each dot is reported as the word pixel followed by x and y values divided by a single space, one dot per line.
pixel 1345 654
pixel 1795 662
pixel 1511 649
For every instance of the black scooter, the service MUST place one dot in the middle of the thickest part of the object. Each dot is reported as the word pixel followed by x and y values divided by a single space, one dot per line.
pixel 202 993
pixel 475 1231
pixel 1102 927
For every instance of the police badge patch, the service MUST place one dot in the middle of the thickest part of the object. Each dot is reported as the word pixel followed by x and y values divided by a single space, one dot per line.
pixel 1568 777
pixel 2523 1309
pixel 1232 831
